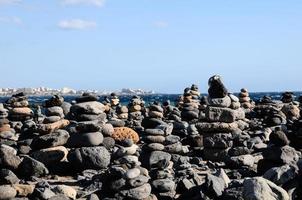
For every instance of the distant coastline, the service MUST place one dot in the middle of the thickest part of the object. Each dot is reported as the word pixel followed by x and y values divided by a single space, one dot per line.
pixel 44 91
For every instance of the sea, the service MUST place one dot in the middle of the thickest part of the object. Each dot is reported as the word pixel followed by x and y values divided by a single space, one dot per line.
pixel 124 99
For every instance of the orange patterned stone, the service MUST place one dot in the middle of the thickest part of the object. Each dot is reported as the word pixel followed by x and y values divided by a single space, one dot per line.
pixel 122 133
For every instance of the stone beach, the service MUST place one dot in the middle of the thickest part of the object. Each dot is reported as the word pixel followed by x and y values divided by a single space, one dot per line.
pixel 217 146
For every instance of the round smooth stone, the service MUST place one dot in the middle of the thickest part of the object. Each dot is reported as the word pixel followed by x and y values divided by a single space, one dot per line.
pixel 138 181
pixel 155 138
pixel 155 147
pixel 132 173
pixel 163 185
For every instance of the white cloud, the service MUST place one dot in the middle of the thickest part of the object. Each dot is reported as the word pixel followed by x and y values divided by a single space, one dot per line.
pixel 11 20
pixel 160 24
pixel 7 2
pixel 76 24
pixel 98 3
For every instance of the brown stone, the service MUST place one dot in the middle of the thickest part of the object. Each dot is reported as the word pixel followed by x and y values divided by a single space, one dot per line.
pixel 122 133
pixel 49 128
pixel 23 111
pixel 5 127
pixel 24 190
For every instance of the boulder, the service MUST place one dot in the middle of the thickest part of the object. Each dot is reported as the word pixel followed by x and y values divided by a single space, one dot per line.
pixel 89 157
pixel 259 188
pixel 57 138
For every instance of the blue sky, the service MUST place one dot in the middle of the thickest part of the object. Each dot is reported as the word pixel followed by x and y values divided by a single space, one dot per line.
pixel 163 45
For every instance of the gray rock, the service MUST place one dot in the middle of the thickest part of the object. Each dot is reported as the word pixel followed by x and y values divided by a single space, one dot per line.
pixel 219 140
pixel 90 157
pixel 138 181
pixel 155 131
pixel 163 185
pixel 259 188
pixel 171 139
pixel 31 167
pixel 216 114
pixel 154 138
pixel 132 173
pixel 57 138
pixel 118 184
pixel 156 157
pixel 174 148
pixel 8 177
pixel 7 192
pixel 137 193
pixel 50 156
pixel 108 142
pixel 55 110
pixel 66 107
pixel 91 107
pixel 107 129
pixel 281 175
pixel 85 139
pixel 215 185
pixel 283 155
pixel 51 119
pixel 220 102
pixel 8 157
pixel 155 147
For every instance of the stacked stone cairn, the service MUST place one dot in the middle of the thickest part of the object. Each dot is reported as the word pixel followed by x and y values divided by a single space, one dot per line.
pixel 136 113
pixel 245 100
pixel 191 102
pixel 126 179
pixel 222 121
pixel 19 111
pixel 290 107
pixel 6 132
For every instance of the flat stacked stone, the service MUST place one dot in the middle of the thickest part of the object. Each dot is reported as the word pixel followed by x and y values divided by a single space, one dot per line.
pixel 245 99
pixel 221 121
pixel 126 178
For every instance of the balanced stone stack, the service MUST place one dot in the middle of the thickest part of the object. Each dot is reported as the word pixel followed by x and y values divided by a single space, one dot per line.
pixel 221 121
pixel 113 104
pixel 87 108
pixel 171 112
pixel 278 153
pixel 290 108
pixel 19 110
pixel 126 178
pixel 6 132
pixel 136 108
pixel 53 110
pixel 156 157
pixel 191 103
pixel 245 100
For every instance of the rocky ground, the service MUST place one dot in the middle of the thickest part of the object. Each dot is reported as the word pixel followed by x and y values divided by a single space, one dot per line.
pixel 216 147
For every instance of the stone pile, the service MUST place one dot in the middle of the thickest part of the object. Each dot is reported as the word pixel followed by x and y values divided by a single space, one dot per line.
pixel 221 122
pixel 191 103
pixel 53 110
pixel 126 179
pixel 136 112
pixel 245 100
pixel 6 132
pixel 214 147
